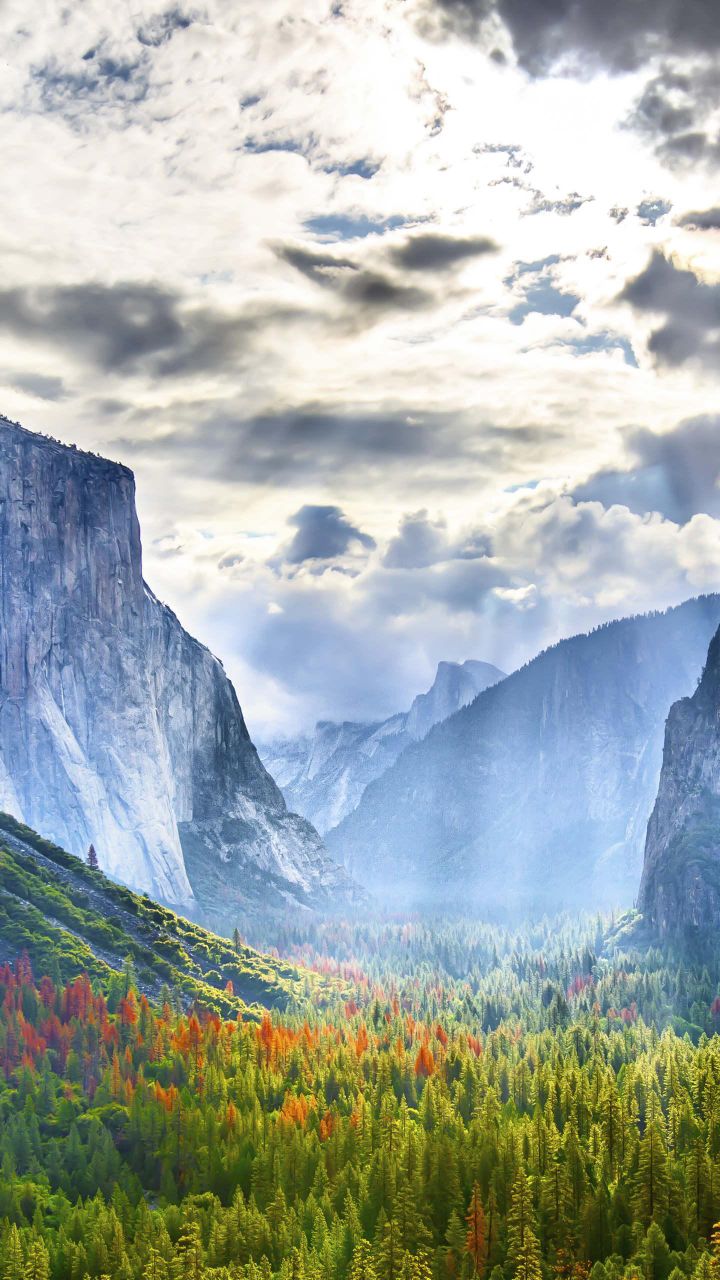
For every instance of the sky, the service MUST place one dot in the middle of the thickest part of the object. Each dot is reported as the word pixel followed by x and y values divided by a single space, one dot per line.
pixel 405 313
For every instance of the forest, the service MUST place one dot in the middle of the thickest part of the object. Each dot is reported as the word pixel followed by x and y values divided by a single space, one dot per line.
pixel 553 1112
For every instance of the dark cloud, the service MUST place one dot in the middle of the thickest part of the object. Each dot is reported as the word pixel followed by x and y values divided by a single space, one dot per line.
pixel 691 309
pixel 675 113
pixel 373 292
pixel 323 533
pixel 432 251
pixel 286 447
pixel 705 220
pixel 616 34
pixel 42 385
pixel 162 26
pixel 322 268
pixel 677 473
pixel 130 327
pixel 366 293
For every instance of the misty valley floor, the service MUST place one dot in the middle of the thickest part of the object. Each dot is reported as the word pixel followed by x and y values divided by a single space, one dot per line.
pixel 435 1099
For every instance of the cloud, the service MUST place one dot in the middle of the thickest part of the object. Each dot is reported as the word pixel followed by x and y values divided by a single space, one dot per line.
pixel 691 309
pixel 616 34
pixel 98 81
pixel 367 293
pixel 40 385
pixel 161 27
pixel 128 327
pixel 676 112
pixel 322 533
pixel 704 220
pixel 421 542
pixel 432 251
pixel 676 473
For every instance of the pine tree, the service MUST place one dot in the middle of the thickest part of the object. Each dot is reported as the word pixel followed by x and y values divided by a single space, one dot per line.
pixel 156 1267
pixel 37 1266
pixel 475 1240
pixel 520 1221
pixel 527 1258
pixel 362 1266
pixel 13 1263
pixel 188 1261
pixel 92 858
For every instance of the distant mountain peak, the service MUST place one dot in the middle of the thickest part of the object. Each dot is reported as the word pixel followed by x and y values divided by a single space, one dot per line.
pixel 324 775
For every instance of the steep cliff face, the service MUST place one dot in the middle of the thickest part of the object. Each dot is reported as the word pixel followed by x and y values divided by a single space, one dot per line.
pixel 117 727
pixel 680 888
pixel 536 795
pixel 324 776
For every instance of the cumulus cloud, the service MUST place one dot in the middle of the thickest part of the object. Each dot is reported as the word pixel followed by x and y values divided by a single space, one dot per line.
pixel 676 473
pixel 422 541
pixel 322 533
pixel 691 310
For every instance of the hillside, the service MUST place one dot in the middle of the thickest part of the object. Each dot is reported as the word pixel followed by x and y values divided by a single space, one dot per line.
pixel 71 919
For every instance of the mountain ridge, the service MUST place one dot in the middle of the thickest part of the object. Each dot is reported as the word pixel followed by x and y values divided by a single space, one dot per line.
pixel 539 790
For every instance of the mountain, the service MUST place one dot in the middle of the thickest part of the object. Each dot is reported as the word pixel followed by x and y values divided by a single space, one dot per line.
pixel 680 887
pixel 73 920
pixel 323 776
pixel 535 796
pixel 116 726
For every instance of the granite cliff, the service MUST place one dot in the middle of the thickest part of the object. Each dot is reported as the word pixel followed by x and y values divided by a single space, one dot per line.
pixel 116 726
pixel 680 888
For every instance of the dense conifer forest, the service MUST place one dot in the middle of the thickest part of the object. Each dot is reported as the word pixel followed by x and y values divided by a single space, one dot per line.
pixel 472 1102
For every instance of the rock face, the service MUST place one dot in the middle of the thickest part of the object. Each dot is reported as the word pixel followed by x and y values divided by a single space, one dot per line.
pixel 680 888
pixel 324 776
pixel 117 727
pixel 537 795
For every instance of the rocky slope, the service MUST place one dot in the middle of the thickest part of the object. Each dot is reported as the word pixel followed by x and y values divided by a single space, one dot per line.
pixel 117 727
pixel 72 920
pixel 324 776
pixel 537 795
pixel 680 888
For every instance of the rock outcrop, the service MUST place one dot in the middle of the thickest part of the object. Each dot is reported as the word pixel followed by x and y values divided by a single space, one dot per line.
pixel 536 796
pixel 116 726
pixel 323 776
pixel 680 888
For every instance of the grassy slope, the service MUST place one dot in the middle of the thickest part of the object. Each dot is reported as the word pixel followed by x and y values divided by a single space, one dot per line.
pixel 69 917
